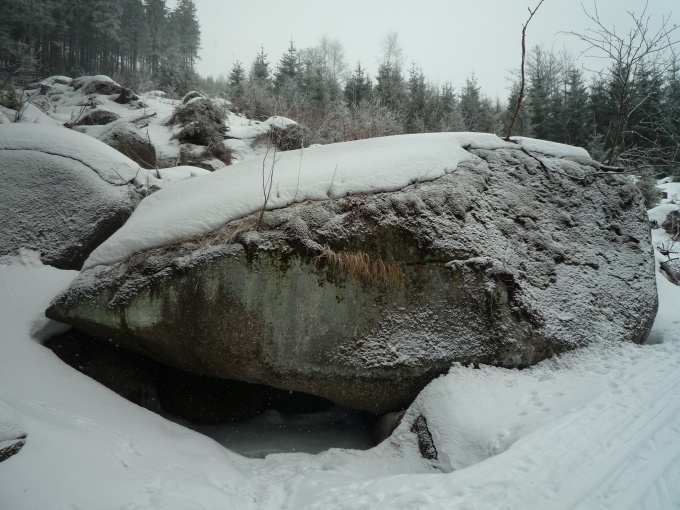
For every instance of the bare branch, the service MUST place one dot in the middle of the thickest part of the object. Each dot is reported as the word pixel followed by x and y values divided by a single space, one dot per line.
pixel 521 86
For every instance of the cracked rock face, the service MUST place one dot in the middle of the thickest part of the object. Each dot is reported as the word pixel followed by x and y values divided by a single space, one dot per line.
pixel 363 300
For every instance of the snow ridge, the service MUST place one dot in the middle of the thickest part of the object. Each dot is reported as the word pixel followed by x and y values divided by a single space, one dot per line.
pixel 198 206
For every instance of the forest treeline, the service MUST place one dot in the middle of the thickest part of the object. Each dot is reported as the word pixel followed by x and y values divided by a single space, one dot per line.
pixel 562 102
pixel 138 42
pixel 628 114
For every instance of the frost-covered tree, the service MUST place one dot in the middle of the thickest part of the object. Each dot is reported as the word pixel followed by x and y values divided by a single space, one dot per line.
pixel 629 54
pixel 477 110
pixel 288 72
pixel 416 105
pixel 358 87
pixel 237 80
pixel 260 73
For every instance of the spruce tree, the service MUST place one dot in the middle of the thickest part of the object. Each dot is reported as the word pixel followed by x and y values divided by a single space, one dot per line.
pixel 288 72
pixel 358 87
pixel 237 80
pixel 260 74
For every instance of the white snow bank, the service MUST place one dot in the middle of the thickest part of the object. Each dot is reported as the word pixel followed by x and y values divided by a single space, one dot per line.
pixel 202 205
pixel 110 164
pixel 84 81
pixel 87 447
pixel 154 93
pixel 58 79
pixel 660 212
pixel 281 122
pixel 558 150
pixel 29 114
pixel 179 173
pixel 10 424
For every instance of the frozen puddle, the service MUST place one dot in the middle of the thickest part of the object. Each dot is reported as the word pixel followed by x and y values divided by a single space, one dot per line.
pixel 274 432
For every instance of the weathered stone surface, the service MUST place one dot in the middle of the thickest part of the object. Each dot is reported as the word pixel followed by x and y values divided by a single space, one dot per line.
pixel 506 261
pixel 671 268
pixel 55 204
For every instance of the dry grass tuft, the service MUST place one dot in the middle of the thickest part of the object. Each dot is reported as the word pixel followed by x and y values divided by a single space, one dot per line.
pixel 359 265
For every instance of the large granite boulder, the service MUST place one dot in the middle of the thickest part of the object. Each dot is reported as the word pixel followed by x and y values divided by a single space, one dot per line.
pixel 62 193
pixel 507 260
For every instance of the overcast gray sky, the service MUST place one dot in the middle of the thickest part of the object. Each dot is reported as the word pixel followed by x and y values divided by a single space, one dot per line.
pixel 450 39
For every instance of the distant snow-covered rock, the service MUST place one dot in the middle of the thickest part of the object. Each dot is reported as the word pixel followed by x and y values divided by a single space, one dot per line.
pixel 126 138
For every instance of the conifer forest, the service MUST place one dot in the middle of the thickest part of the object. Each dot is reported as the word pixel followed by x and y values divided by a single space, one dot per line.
pixel 626 113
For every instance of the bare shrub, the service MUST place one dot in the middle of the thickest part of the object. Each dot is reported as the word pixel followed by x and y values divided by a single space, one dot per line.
pixel 220 151
pixel 651 194
pixel 202 123
pixel 295 136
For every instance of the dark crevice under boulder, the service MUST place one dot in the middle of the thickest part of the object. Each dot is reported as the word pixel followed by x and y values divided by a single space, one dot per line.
pixel 364 300
pixel 196 398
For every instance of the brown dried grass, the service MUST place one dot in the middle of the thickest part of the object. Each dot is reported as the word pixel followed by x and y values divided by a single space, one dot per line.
pixel 360 266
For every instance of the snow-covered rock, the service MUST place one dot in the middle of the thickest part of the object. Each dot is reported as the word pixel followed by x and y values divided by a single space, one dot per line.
pixel 63 193
pixel 99 84
pixel 127 139
pixel 490 255
pixel 97 117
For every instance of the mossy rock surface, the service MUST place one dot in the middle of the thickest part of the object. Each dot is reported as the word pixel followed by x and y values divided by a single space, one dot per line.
pixel 364 300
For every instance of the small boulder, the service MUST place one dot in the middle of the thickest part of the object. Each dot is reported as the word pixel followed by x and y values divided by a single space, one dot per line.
pixel 671 269
pixel 99 84
pixel 126 95
pixel 127 139
pixel 425 443
pixel 97 117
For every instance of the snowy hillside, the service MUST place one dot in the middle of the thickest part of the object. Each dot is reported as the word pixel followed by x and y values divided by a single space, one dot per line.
pixel 596 428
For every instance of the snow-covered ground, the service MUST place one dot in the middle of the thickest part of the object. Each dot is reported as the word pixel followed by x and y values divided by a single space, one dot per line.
pixel 597 428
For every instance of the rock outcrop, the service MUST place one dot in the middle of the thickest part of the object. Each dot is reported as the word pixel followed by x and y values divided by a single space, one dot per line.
pixel 509 259
pixel 63 192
